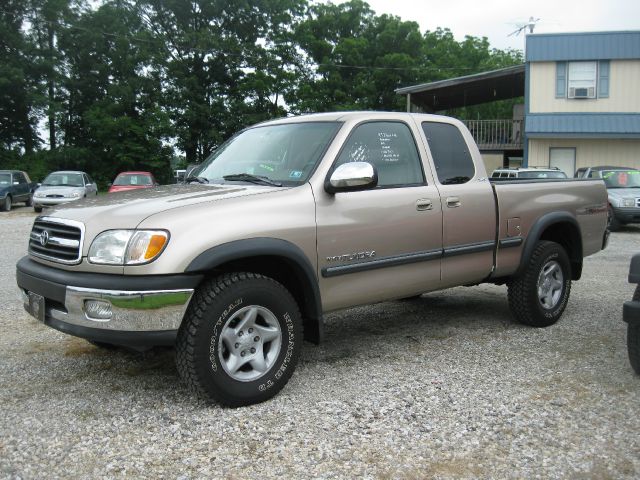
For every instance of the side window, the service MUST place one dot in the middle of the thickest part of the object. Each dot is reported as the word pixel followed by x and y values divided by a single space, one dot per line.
pixel 19 178
pixel 450 152
pixel 87 180
pixel 388 146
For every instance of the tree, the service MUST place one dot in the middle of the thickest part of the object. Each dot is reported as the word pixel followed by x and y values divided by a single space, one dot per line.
pixel 214 65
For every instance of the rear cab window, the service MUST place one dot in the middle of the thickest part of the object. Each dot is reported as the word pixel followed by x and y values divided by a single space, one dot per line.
pixel 450 153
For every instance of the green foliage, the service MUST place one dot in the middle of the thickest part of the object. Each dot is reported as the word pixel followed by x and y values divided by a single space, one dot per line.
pixel 133 84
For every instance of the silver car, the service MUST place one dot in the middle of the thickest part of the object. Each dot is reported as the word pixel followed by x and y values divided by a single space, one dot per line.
pixel 63 187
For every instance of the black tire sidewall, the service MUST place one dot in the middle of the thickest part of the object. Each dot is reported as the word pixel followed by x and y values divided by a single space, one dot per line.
pixel 552 252
pixel 256 291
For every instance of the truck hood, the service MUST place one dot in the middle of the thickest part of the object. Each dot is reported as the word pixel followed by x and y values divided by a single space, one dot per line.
pixel 128 209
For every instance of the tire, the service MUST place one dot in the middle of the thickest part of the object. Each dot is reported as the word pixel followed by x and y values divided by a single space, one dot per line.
pixel 37 209
pixel 237 325
pixel 613 224
pixel 633 338
pixel 7 204
pixel 29 202
pixel 540 294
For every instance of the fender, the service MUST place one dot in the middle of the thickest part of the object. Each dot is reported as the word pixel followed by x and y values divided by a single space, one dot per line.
pixel 535 234
pixel 272 247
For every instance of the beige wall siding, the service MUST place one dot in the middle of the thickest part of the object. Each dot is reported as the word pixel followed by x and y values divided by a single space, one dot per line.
pixel 589 152
pixel 492 161
pixel 624 90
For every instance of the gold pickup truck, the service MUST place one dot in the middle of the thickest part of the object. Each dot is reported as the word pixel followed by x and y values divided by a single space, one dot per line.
pixel 294 218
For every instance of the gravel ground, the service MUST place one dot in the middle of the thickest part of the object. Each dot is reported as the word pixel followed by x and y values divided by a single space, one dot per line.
pixel 445 386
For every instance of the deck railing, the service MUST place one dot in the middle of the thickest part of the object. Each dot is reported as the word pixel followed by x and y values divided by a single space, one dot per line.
pixel 496 134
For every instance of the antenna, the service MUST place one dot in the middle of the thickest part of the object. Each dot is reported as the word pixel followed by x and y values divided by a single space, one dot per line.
pixel 522 27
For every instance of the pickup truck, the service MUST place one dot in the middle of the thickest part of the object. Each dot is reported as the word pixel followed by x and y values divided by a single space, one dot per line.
pixel 294 218
pixel 15 186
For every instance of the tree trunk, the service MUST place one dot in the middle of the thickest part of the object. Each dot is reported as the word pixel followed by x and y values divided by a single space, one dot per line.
pixel 52 113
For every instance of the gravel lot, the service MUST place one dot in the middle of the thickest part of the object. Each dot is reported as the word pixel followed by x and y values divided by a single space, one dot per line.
pixel 445 386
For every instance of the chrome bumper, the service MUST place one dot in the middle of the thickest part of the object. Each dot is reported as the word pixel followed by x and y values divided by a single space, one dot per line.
pixel 132 311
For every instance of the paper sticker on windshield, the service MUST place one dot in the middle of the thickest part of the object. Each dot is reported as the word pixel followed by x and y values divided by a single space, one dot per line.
pixel 264 166
pixel 295 174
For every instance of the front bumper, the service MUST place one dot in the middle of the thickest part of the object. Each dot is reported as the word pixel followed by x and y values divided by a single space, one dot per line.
pixel 145 310
pixel 627 214
pixel 52 202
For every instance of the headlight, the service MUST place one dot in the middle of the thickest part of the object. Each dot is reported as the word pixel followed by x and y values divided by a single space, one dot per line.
pixel 628 202
pixel 38 194
pixel 128 247
pixel 74 194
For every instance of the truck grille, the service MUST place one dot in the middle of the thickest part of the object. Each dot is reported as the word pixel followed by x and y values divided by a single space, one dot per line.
pixel 57 239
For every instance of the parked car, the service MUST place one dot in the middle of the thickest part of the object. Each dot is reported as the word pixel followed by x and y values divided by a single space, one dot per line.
pixel 623 189
pixel 15 186
pixel 631 315
pixel 527 173
pixel 295 218
pixel 63 187
pixel 132 181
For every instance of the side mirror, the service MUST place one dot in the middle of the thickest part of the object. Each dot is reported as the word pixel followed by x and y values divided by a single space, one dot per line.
pixel 352 177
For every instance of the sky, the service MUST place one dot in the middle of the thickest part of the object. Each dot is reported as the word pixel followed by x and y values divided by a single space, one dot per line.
pixel 496 19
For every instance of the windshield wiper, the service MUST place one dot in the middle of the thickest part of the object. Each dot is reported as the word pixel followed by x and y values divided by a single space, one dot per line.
pixel 247 177
pixel 196 179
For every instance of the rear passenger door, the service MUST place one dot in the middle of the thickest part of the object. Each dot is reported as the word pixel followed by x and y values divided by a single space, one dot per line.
pixel 468 205
pixel 384 242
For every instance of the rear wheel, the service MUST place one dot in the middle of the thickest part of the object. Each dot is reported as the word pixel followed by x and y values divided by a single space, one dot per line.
pixel 633 338
pixel 240 340
pixel 539 296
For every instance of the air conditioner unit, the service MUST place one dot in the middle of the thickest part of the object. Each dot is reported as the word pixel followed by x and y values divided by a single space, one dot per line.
pixel 582 92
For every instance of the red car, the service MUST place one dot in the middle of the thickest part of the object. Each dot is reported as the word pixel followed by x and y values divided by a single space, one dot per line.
pixel 132 181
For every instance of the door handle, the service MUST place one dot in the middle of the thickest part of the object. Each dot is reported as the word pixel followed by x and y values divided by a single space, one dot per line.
pixel 453 202
pixel 424 204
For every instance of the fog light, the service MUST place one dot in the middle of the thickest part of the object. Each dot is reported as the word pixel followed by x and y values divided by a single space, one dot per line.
pixel 98 309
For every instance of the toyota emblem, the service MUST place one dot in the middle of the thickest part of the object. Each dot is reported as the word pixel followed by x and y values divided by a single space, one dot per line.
pixel 44 238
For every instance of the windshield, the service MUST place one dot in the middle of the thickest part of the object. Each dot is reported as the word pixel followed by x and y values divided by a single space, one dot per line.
pixel 621 178
pixel 543 174
pixel 130 179
pixel 64 180
pixel 5 178
pixel 285 154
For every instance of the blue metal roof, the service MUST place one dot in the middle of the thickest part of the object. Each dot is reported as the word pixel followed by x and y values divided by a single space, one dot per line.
pixel 594 125
pixel 583 46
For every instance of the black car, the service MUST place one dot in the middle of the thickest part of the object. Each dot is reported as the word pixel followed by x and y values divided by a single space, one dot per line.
pixel 631 315
pixel 15 186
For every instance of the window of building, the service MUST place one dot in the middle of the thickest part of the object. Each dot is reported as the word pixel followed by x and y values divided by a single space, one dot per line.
pixel 582 79
pixel 388 146
pixel 450 152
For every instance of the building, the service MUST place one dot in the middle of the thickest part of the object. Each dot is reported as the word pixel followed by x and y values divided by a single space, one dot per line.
pixel 582 100
pixel 581 103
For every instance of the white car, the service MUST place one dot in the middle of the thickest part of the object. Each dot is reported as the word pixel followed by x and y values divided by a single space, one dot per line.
pixel 527 173
pixel 63 187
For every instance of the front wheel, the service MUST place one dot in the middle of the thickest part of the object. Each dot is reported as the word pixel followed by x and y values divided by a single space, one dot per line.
pixel 540 294
pixel 37 209
pixel 240 340
pixel 29 201
pixel 7 204
pixel 612 222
